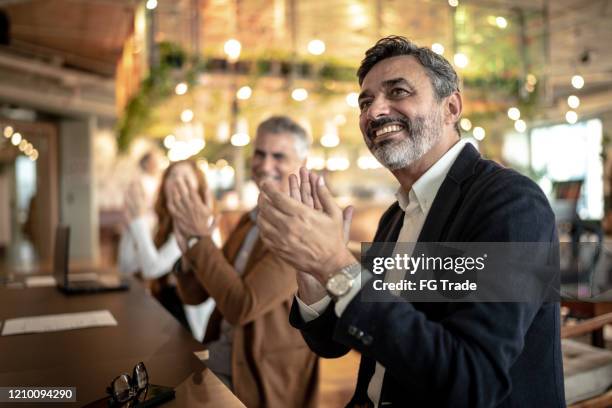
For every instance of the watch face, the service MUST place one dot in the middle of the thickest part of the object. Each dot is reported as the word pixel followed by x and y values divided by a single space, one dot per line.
pixel 339 284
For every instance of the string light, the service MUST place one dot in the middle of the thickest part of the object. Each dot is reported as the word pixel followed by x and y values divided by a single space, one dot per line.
pixel 169 141
pixel 520 126
pixel 232 48
pixel 151 4
pixel 573 101
pixel 181 88
pixel 577 81
pixel 240 139
pixel 453 3
pixel 187 115
pixel 316 47
pixel 352 100
pixel 244 93
pixel 479 133
pixel 299 94
pixel 8 132
pixel 16 139
pixel 571 117
pixel 437 48
pixel 465 124
pixel 501 22
pixel 461 60
pixel 514 113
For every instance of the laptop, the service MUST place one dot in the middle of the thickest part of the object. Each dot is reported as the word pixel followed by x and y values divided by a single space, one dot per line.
pixel 68 284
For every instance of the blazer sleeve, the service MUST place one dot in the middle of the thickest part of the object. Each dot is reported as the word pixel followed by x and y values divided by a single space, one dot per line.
pixel 463 360
pixel 189 289
pixel 318 332
pixel 241 299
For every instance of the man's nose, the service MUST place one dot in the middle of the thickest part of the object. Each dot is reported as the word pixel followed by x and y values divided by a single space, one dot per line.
pixel 267 164
pixel 379 107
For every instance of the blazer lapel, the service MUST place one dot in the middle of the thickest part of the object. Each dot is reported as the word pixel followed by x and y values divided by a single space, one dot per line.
pixel 448 194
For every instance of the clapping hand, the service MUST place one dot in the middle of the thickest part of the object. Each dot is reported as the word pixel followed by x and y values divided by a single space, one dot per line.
pixel 307 230
pixel 191 216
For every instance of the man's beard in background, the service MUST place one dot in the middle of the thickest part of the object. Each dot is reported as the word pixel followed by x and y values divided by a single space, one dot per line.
pixel 423 133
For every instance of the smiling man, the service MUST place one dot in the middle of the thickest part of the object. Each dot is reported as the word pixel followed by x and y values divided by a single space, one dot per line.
pixel 421 354
pixel 253 349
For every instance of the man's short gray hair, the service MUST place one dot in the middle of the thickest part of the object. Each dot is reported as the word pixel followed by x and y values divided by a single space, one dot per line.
pixel 284 124
pixel 441 73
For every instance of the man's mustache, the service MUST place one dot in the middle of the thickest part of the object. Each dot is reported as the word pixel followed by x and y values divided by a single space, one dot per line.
pixel 379 123
pixel 263 174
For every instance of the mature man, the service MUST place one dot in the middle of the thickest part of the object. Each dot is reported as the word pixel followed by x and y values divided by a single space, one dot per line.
pixel 253 349
pixel 421 354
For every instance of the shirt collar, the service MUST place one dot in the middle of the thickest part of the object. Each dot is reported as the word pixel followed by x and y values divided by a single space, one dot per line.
pixel 424 190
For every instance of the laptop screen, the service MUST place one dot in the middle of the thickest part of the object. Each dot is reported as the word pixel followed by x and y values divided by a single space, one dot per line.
pixel 60 256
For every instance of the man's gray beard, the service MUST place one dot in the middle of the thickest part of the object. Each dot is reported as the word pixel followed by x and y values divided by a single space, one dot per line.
pixel 424 133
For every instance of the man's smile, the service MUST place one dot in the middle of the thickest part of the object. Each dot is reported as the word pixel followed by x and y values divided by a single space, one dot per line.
pixel 387 131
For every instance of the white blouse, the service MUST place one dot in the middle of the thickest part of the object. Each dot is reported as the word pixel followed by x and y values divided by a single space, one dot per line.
pixel 137 252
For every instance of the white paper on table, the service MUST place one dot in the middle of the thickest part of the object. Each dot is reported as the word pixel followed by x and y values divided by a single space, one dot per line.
pixel 58 322
pixel 40 281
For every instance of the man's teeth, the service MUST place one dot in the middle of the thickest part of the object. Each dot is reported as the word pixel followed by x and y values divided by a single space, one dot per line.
pixel 388 129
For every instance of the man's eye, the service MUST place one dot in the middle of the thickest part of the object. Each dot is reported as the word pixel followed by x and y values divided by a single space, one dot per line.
pixel 399 92
pixel 364 104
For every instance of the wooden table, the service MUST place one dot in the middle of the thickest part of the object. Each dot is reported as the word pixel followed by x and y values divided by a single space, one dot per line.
pixel 90 358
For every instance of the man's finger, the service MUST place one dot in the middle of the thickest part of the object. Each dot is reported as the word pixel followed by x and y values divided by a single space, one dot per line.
pixel 294 187
pixel 327 201
pixel 305 191
pixel 281 201
pixel 208 195
pixel 347 218
pixel 272 214
pixel 314 180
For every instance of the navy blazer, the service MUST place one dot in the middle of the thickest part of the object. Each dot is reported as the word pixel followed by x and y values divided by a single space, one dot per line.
pixel 457 354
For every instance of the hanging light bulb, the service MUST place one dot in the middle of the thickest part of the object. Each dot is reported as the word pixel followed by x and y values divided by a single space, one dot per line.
pixel 232 48
pixel 187 115
pixel 461 60
pixel 352 100
pixel 571 117
pixel 8 132
pixel 514 113
pixel 577 81
pixel 520 126
pixel 299 94
pixel 465 124
pixel 16 138
pixel 181 88
pixel 437 48
pixel 244 93
pixel 316 47
pixel 479 133
pixel 573 101
pixel 501 22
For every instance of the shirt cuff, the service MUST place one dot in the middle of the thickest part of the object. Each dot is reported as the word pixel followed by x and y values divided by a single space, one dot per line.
pixel 311 312
pixel 343 302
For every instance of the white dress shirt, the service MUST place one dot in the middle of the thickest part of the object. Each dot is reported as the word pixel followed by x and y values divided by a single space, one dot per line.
pixel 415 204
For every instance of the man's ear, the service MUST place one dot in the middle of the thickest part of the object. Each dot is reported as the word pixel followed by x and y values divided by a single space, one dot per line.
pixel 453 108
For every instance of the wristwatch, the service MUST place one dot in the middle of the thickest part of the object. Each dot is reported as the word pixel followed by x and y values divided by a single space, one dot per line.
pixel 341 282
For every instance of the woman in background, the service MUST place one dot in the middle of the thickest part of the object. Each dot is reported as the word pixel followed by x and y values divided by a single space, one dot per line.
pixel 154 255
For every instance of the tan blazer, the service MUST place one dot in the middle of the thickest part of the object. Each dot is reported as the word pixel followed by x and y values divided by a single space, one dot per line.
pixel 271 364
